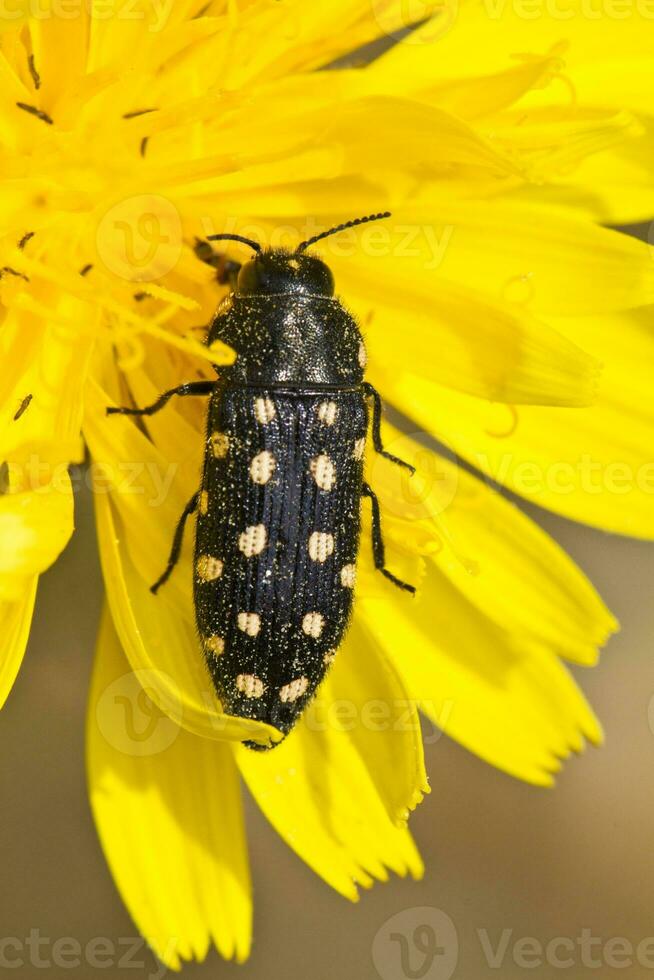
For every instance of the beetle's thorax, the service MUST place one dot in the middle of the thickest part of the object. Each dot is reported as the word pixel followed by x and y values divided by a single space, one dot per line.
pixel 291 332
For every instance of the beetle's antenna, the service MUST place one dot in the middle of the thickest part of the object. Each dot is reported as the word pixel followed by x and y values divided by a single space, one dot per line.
pixel 235 238
pixel 347 224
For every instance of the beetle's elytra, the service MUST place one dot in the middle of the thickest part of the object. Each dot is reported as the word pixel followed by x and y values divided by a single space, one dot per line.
pixel 279 504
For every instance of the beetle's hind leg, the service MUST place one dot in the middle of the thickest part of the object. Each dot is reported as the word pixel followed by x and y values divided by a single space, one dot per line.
pixel 176 549
pixel 378 550
pixel 191 388
pixel 376 428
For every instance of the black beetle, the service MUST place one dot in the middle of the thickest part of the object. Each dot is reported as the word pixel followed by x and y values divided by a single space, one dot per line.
pixel 279 505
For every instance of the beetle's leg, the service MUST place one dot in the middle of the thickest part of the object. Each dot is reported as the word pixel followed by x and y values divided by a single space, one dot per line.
pixel 378 550
pixel 191 388
pixel 177 542
pixel 376 428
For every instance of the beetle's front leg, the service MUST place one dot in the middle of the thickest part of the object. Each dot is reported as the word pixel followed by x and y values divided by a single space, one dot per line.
pixel 191 388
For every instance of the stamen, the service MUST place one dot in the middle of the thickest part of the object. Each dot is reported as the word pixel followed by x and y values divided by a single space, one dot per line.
pixel 138 112
pixel 13 272
pixel 219 353
pixel 34 111
pixel 36 78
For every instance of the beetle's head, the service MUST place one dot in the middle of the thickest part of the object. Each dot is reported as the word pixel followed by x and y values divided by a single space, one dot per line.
pixel 277 271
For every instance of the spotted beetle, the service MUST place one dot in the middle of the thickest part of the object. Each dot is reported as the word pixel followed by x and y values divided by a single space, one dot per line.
pixel 278 521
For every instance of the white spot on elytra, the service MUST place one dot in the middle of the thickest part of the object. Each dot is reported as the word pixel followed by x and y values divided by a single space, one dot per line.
pixel 264 410
pixel 250 686
pixel 323 471
pixel 329 657
pixel 312 624
pixel 359 448
pixel 321 545
pixel 209 568
pixel 363 356
pixel 204 502
pixel 294 690
pixel 348 576
pixel 327 412
pixel 253 540
pixel 262 467
pixel 249 622
pixel 219 444
pixel 214 644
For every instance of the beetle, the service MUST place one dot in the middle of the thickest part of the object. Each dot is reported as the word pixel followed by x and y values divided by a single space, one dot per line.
pixel 278 525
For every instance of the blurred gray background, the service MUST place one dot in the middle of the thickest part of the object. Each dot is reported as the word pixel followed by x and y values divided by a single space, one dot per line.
pixel 502 857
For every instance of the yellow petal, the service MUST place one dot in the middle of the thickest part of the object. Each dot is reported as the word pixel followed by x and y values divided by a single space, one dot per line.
pixel 614 187
pixel 167 808
pixel 507 32
pixel 136 515
pixel 381 722
pixel 542 260
pixel 36 522
pixel 329 145
pixel 592 465
pixel 462 338
pixel 49 364
pixel 502 695
pixel 552 141
pixel 604 60
pixel 59 49
pixel 498 558
pixel 35 525
pixel 257 41
pixel 464 95
pixel 20 12
pixel 328 788
pixel 15 622
pixel 160 641
pixel 149 490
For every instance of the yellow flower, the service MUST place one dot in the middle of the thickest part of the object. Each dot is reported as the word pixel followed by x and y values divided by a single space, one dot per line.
pixel 500 317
